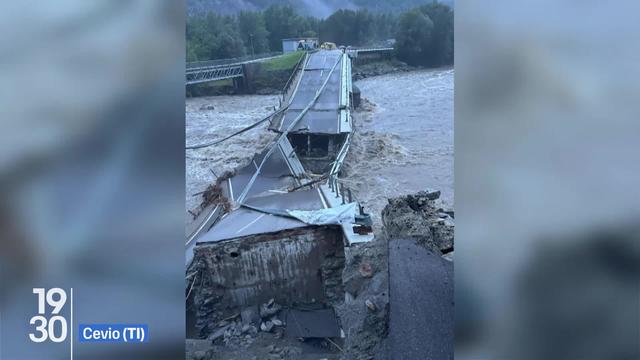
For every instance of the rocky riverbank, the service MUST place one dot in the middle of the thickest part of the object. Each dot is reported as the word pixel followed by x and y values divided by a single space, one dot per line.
pixel 380 68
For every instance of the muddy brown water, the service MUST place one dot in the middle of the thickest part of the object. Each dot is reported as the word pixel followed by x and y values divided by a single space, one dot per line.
pixel 403 141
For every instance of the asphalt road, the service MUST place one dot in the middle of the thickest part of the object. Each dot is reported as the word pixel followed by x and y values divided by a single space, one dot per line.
pixel 421 303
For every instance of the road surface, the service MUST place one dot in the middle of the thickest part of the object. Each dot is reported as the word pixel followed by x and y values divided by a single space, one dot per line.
pixel 421 316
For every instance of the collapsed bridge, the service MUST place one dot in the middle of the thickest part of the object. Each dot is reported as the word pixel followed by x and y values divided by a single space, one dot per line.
pixel 281 222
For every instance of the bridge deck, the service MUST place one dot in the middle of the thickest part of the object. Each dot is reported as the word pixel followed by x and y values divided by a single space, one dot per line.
pixel 282 170
pixel 325 115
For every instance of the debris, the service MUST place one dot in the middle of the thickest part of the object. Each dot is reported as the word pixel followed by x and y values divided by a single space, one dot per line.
pixel 365 270
pixel 218 333
pixel 246 328
pixel 250 315
pixel 266 326
pixel 370 305
pixel 199 355
pixel 269 309
pixel 418 217
pixel 276 322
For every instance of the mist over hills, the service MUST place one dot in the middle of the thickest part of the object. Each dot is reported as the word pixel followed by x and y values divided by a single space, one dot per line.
pixel 315 8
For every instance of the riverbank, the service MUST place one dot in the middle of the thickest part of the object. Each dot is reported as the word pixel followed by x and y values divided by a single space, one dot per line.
pixel 268 78
pixel 403 138
pixel 385 67
pixel 378 68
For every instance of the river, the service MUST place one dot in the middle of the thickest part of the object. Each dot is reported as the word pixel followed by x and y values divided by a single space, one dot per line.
pixel 403 141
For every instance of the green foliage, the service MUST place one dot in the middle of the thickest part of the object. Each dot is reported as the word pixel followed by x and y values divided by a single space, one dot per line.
pixel 361 27
pixel 283 22
pixel 441 47
pixel 212 36
pixel 425 36
pixel 414 37
pixel 253 32
pixel 287 61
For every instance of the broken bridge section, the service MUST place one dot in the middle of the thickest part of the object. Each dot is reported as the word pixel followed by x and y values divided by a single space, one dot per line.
pixel 282 241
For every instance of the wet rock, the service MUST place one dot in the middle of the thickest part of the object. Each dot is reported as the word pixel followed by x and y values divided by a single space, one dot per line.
pixel 223 323
pixel 276 322
pixel 370 305
pixel 269 309
pixel 217 334
pixel 291 352
pixel 365 270
pixel 363 71
pixel 266 326
pixel 207 107
pixel 267 91
pixel 250 315
pixel 353 283
pixel 199 355
pixel 417 216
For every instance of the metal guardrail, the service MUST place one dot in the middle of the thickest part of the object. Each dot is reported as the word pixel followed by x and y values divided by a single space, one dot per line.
pixel 204 71
pixel 197 76
pixel 377 49
pixel 288 86
pixel 237 60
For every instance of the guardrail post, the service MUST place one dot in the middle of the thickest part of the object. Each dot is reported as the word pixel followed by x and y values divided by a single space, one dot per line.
pixel 350 197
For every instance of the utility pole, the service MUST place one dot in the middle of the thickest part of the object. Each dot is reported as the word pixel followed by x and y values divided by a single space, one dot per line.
pixel 251 41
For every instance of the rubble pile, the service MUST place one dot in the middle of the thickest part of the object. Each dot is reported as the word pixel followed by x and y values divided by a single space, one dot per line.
pixel 257 332
pixel 240 331
pixel 364 314
pixel 420 217
pixel 357 288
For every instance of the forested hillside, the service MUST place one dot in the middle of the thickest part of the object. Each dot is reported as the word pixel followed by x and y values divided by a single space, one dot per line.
pixel 424 34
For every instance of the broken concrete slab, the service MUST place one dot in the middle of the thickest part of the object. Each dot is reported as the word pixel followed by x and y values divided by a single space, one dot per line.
pixel 321 323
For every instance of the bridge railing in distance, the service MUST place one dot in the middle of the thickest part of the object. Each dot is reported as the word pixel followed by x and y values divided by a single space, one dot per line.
pixel 291 81
pixel 218 62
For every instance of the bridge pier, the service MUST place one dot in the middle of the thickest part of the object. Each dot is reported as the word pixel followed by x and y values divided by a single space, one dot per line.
pixel 355 96
pixel 246 83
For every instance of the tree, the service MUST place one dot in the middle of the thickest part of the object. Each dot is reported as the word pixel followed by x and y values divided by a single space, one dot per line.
pixel 253 32
pixel 282 22
pixel 414 37
pixel 425 35
pixel 212 36
pixel 441 47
